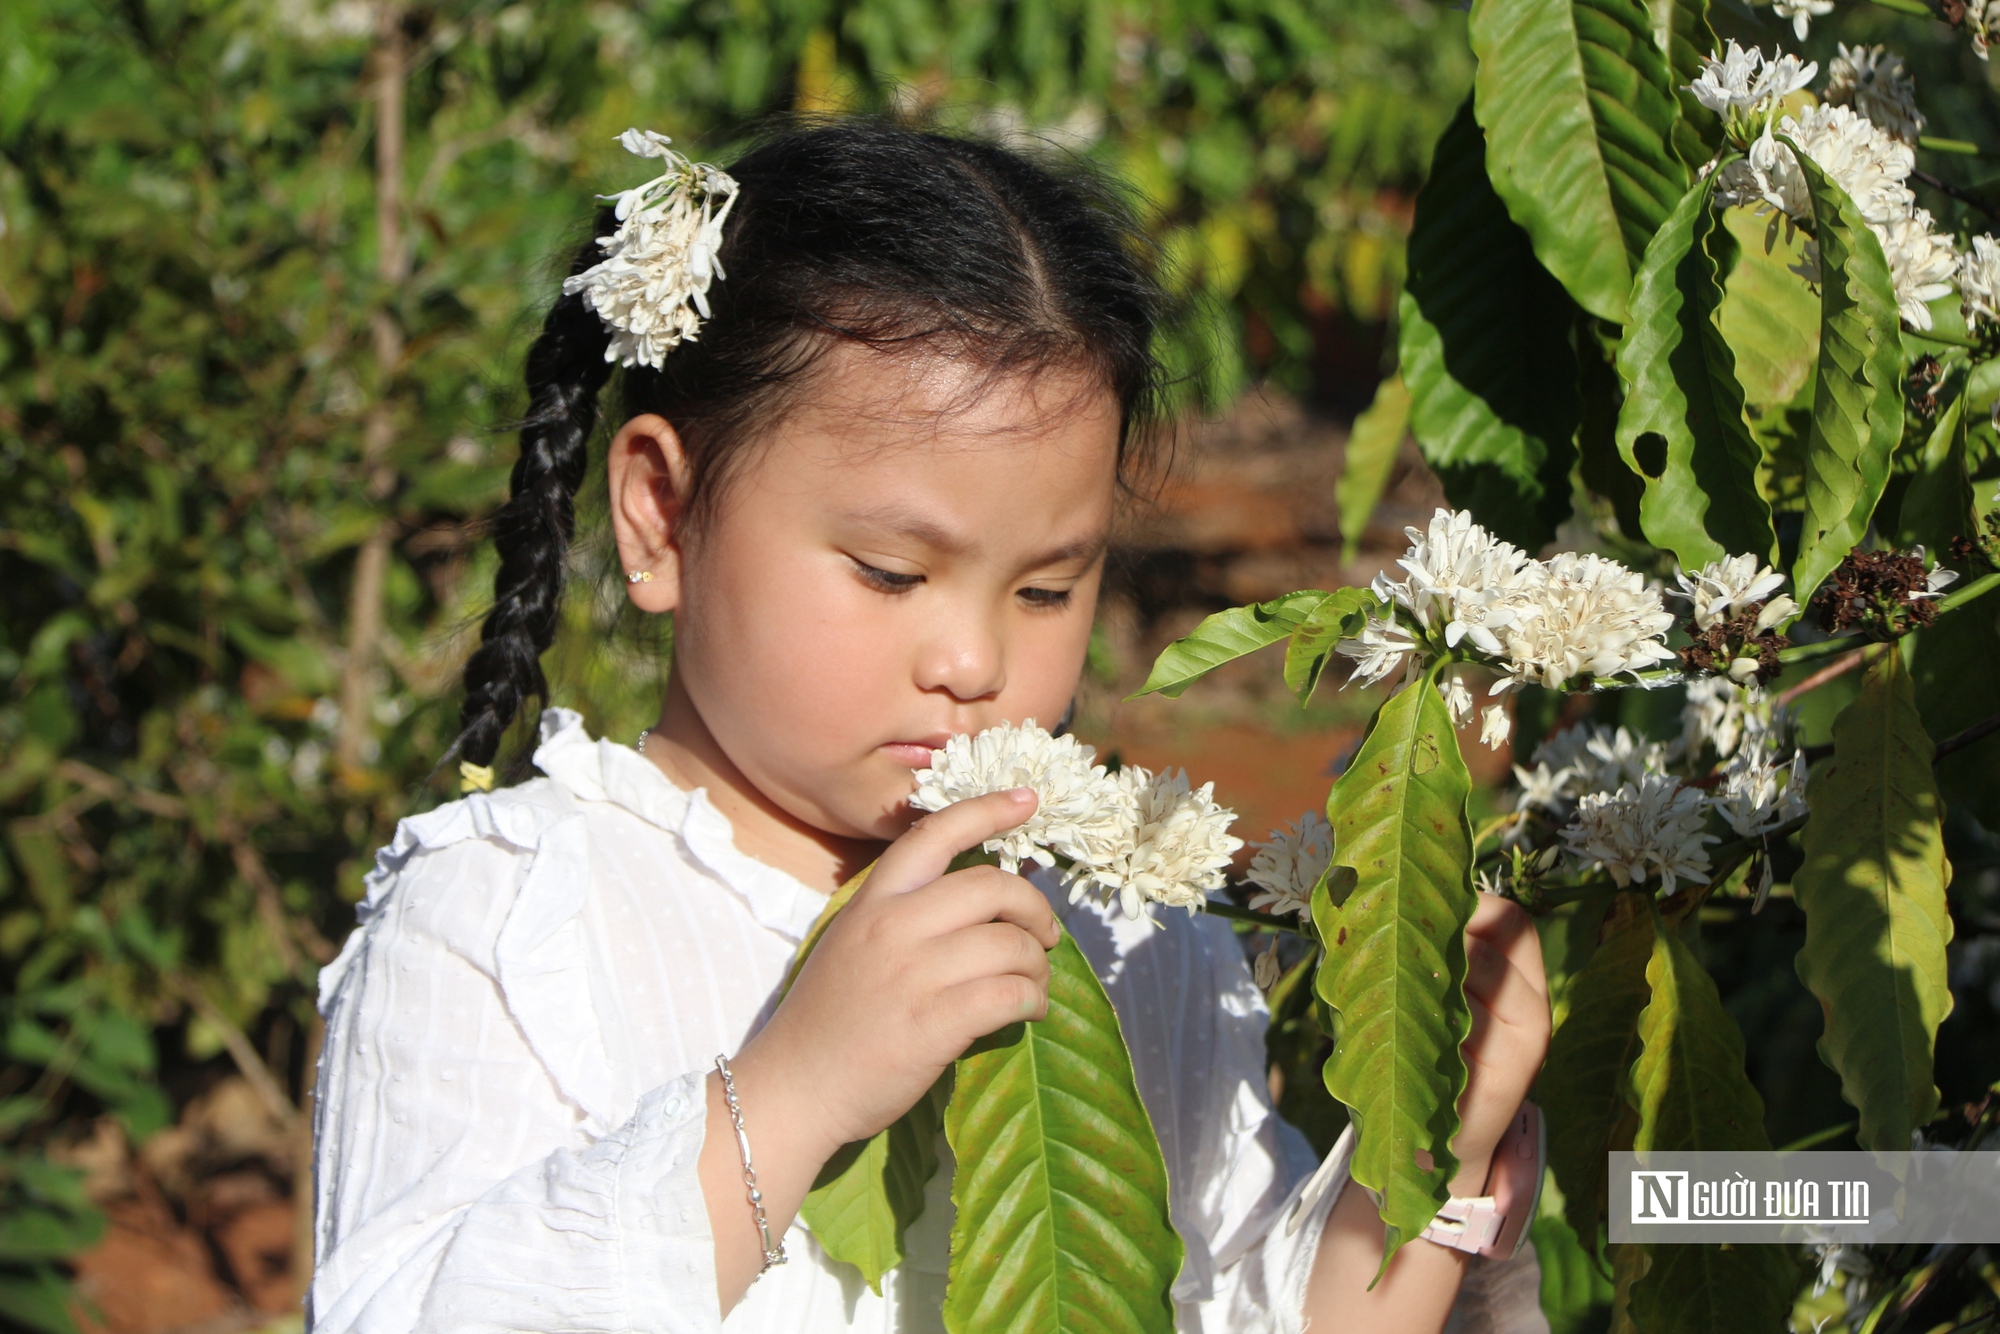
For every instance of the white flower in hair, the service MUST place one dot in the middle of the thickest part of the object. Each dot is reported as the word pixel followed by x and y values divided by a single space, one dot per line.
pixel 651 290
pixel 1175 851
pixel 1084 814
pixel 1288 864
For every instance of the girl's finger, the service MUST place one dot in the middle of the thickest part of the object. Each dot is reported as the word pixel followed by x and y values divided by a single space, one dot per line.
pixel 926 849
pixel 989 949
pixel 1512 1018
pixel 979 894
pixel 1506 926
pixel 971 1010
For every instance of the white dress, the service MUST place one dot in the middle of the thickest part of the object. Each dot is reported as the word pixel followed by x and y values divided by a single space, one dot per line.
pixel 511 1107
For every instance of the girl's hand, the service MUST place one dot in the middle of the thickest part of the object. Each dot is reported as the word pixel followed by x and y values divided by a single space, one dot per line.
pixel 918 966
pixel 1508 989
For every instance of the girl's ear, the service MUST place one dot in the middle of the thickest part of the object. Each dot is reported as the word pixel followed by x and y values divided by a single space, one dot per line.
pixel 649 493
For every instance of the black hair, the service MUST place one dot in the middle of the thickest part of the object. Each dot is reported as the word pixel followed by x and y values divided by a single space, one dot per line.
pixel 851 231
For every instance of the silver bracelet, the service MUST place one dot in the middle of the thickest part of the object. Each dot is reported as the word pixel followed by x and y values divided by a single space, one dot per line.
pixel 774 1253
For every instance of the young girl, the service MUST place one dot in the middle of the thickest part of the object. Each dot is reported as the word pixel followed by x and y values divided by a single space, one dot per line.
pixel 875 493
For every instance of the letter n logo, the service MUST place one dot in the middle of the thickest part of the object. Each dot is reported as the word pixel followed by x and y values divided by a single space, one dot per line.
pixel 1659 1197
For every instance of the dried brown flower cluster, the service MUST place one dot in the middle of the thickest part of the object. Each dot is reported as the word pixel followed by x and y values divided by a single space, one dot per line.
pixel 1883 594
pixel 1724 644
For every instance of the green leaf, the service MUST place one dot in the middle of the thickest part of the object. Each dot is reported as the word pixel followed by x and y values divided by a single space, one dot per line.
pixel 1575 1293
pixel 869 1193
pixel 1370 456
pixel 1873 892
pixel 1395 953
pixel 1583 1089
pixel 1682 33
pixel 1692 1093
pixel 39 1299
pixel 1682 425
pixel 1484 345
pixel 1340 615
pixel 1578 107
pixel 1951 663
pixel 1857 415
pixel 1060 1188
pixel 1769 314
pixel 1599 466
pixel 1225 637
pixel 40 1234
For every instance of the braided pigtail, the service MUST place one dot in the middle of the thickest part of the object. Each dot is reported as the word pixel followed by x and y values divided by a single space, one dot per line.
pixel 566 370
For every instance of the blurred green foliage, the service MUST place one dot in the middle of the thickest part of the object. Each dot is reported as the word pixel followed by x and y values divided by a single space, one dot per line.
pixel 245 450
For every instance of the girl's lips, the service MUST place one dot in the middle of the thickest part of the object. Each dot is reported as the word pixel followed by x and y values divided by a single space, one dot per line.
pixel 914 754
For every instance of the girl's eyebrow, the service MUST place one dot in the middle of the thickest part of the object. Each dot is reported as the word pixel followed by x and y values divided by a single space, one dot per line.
pixel 919 528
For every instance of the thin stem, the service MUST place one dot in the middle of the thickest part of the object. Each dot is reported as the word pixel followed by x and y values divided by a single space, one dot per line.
pixel 1823 675
pixel 1970 200
pixel 1971 736
pixel 1269 921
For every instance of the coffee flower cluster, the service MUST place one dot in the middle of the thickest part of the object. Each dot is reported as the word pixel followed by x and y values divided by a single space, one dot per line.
pixel 651 290
pixel 1860 136
pixel 1134 836
pixel 1527 622
pixel 1733 619
pixel 1600 800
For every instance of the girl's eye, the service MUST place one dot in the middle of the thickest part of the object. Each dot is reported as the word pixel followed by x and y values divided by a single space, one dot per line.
pixel 885 581
pixel 1045 597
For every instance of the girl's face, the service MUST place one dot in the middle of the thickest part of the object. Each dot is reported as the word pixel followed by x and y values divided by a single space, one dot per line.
pixel 915 551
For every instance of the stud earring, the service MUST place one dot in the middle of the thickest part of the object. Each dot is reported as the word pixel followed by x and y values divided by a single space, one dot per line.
pixel 638 576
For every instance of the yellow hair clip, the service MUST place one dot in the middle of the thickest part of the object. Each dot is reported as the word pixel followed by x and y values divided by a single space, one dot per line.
pixel 474 777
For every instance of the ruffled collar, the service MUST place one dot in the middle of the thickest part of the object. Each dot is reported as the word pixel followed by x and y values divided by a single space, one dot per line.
pixel 596 769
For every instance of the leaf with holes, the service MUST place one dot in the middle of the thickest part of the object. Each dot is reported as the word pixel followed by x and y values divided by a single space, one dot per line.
pixel 1060 1187
pixel 1692 1093
pixel 1873 892
pixel 1578 107
pixel 1341 615
pixel 1370 456
pixel 1394 969
pixel 1857 414
pixel 1225 637
pixel 1484 345
pixel 1682 425
pixel 1582 1089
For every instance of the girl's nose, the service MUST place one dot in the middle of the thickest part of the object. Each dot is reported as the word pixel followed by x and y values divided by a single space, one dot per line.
pixel 967 662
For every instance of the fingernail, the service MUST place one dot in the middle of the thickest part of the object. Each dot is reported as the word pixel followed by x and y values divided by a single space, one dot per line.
pixel 1022 793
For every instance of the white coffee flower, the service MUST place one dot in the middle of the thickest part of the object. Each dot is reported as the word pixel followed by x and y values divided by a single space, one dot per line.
pixel 1979 280
pixel 1921 265
pixel 1874 81
pixel 1266 969
pixel 1461 577
pixel 1175 849
pixel 1289 863
pixel 651 289
pixel 1083 813
pixel 1939 578
pixel 1599 758
pixel 1383 647
pixel 1643 827
pixel 1542 788
pixel 1739 81
pixel 1714 715
pixel 1457 695
pixel 1585 614
pixel 1724 587
pixel 1767 176
pixel 1859 156
pixel 1801 13
pixel 1495 726
pixel 1751 798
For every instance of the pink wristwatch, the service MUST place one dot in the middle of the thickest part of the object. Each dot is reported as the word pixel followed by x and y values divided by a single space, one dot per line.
pixel 1494 1224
